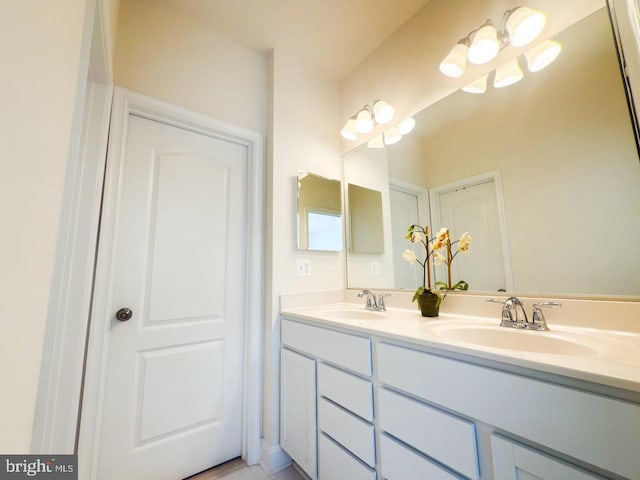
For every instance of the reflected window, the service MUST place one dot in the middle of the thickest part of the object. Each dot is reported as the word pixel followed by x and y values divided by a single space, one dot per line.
pixel 322 228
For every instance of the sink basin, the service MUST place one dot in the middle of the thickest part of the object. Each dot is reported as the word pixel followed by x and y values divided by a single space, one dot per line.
pixel 556 343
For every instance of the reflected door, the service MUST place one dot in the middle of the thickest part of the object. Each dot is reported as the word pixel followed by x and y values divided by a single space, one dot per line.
pixel 404 212
pixel 173 395
pixel 473 208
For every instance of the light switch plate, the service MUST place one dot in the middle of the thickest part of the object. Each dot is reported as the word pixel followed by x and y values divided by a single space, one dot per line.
pixel 375 268
pixel 304 267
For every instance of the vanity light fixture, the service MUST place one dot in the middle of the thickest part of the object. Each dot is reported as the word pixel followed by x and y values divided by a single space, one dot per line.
pixel 537 57
pixel 542 55
pixel 406 125
pixel 478 86
pixel 367 117
pixel 485 45
pixel 508 74
pixel 364 121
pixel 392 135
pixel 349 131
pixel 455 63
pixel 519 27
pixel 383 112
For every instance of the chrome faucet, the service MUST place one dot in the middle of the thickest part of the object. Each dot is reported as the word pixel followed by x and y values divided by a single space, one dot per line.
pixel 376 305
pixel 514 315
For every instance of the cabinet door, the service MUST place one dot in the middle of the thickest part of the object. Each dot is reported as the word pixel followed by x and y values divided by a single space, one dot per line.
pixel 512 461
pixel 298 409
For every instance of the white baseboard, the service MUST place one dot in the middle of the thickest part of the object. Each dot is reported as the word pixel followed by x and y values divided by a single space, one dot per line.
pixel 273 459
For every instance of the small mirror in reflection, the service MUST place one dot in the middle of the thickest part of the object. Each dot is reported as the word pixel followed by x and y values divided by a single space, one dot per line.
pixel 366 234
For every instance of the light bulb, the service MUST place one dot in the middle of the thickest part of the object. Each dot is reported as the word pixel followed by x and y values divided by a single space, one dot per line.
pixel 507 74
pixel 406 125
pixel 364 122
pixel 376 142
pixel 477 86
pixel 382 111
pixel 542 55
pixel 392 136
pixel 349 131
pixel 485 45
pixel 524 25
pixel 454 64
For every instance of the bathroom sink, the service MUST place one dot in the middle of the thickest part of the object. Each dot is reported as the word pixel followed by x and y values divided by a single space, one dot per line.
pixel 555 343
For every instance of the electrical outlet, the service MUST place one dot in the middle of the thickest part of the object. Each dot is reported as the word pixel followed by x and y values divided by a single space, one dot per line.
pixel 304 267
pixel 375 268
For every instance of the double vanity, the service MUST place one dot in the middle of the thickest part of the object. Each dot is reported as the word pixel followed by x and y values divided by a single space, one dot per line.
pixel 392 395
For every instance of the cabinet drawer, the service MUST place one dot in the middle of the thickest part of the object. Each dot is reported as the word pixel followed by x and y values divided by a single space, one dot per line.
pixel 336 464
pixel 566 420
pixel 349 351
pixel 448 439
pixel 400 463
pixel 354 434
pixel 512 460
pixel 351 392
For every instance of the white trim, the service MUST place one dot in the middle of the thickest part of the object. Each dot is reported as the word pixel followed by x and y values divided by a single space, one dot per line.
pixel 424 213
pixel 625 17
pixel 126 103
pixel 274 459
pixel 60 382
pixel 496 178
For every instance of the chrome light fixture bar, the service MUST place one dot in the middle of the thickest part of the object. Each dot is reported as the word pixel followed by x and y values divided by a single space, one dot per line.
pixel 519 27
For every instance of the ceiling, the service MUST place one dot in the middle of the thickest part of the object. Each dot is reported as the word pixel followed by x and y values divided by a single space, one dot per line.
pixel 331 36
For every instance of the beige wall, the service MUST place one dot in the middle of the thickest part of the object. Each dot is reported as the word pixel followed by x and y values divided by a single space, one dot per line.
pixel 44 50
pixel 304 112
pixel 173 57
pixel 404 69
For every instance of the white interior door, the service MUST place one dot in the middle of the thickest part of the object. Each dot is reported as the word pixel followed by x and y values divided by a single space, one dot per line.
pixel 474 208
pixel 173 393
pixel 404 212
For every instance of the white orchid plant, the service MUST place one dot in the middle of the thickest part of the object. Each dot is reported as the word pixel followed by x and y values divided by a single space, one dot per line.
pixel 439 249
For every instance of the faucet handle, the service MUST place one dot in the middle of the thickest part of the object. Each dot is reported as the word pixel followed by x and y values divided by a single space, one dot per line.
pixel 493 300
pixel 381 305
pixel 507 318
pixel 546 304
pixel 539 322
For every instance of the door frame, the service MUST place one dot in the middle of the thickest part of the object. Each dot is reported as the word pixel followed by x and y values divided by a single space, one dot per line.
pixel 125 103
pixel 56 414
pixel 421 193
pixel 493 175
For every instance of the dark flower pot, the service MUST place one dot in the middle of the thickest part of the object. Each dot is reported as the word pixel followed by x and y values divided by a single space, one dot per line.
pixel 429 304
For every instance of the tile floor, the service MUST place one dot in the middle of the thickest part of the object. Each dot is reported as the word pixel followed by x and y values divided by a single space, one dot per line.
pixel 238 470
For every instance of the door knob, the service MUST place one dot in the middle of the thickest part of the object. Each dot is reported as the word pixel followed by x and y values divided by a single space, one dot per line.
pixel 124 314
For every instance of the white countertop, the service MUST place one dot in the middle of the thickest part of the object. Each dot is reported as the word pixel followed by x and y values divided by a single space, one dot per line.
pixel 604 357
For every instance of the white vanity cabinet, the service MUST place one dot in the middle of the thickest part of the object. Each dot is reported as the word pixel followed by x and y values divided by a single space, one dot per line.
pixel 579 426
pixel 369 407
pixel 298 409
pixel 340 416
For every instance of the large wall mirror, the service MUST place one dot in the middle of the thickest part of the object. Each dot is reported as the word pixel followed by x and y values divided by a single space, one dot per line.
pixel 544 174
pixel 319 210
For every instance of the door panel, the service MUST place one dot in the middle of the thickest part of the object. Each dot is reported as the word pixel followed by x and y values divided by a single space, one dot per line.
pixel 474 209
pixel 173 394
